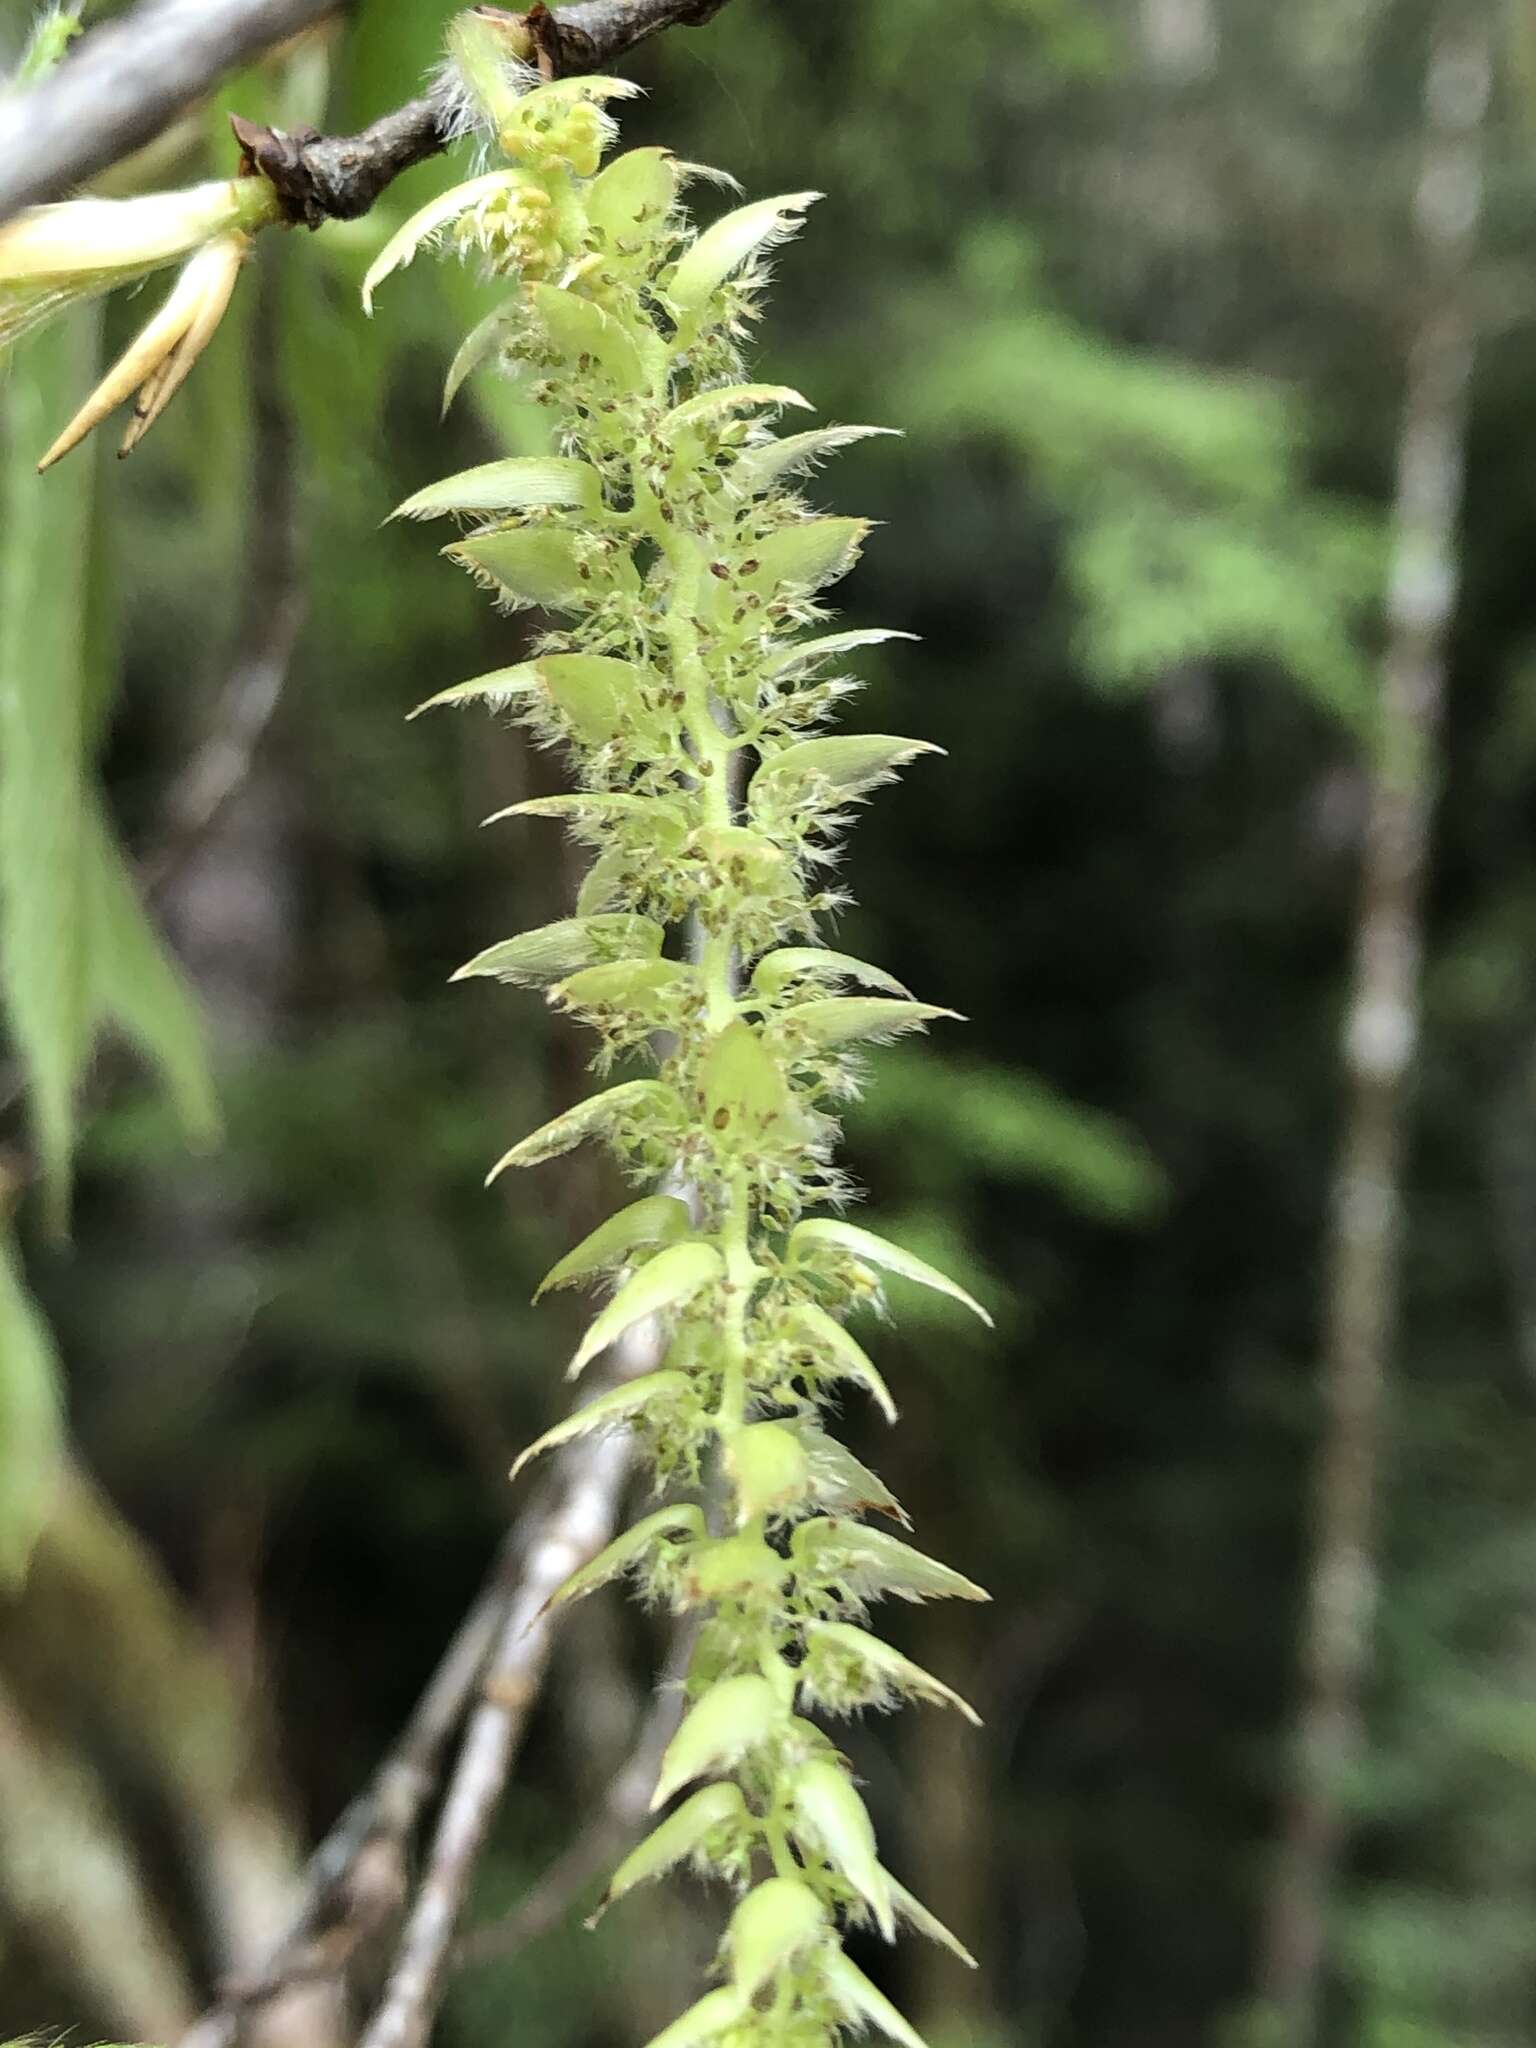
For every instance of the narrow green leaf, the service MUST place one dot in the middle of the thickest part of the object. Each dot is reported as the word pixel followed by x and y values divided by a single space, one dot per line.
pixel 863 2004
pixel 44 916
pixel 715 2012
pixel 760 469
pixel 137 984
pixel 724 399
pixel 653 1220
pixel 808 654
pixel 483 340
pixel 31 1425
pixel 846 764
pixel 628 1550
pixel 887 1670
pixel 832 1818
pixel 714 1806
pixel 830 1021
pixel 776 971
pixel 428 222
pixel 502 690
pixel 840 1481
pixel 731 242
pixel 877 1251
pixel 840 1355
pixel 872 1563
pixel 635 986
pixel 667 1282
pixel 527 566
pixel 916 1914
pixel 518 484
pixel 597 1117
pixel 538 958
pixel 619 1404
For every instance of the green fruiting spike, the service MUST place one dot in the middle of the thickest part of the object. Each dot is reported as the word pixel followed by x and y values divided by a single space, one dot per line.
pixel 687 670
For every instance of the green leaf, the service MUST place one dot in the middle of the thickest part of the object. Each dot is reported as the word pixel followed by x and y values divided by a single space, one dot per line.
pixel 760 469
pixel 862 2004
pixel 840 1355
pixel 708 406
pixel 45 537
pixel 769 1470
pixel 137 984
pixel 499 326
pixel 774 1923
pixel 735 1716
pixel 839 1480
pixel 528 566
pixel 501 690
pixel 619 1404
pixel 31 1424
pixel 580 805
pixel 628 1550
pixel 730 243
pixel 873 1564
pixel 538 958
pixel 583 333
pixel 877 1251
pixel 596 694
pixel 743 1085
pixel 428 222
pixel 665 1283
pixel 808 654
pixel 831 1021
pixel 624 985
pixel 516 485
pixel 654 1220
pixel 776 971
pixel 847 764
pixel 916 1914
pixel 597 1117
pixel 886 1668
pixel 714 1806
pixel 715 2012
pixel 633 195
pixel 832 1818
pixel 806 556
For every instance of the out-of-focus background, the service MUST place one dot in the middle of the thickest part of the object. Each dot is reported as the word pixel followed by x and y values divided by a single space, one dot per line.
pixel 1181 335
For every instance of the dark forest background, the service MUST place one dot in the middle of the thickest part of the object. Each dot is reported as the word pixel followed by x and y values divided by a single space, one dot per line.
pixel 1139 279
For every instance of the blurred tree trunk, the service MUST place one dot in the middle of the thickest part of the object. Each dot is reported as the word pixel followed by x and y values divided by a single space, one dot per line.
pixel 115 1708
pixel 1382 1029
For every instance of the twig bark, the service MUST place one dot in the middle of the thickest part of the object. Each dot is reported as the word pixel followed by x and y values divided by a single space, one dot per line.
pixel 625 1807
pixel 131 78
pixel 1382 1030
pixel 127 80
pixel 579 1525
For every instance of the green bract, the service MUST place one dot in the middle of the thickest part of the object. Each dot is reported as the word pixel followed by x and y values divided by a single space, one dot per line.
pixel 688 683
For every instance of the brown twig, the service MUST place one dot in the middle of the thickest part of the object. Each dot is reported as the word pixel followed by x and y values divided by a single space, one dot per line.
pixel 577 1527
pixel 625 1807
pixel 130 78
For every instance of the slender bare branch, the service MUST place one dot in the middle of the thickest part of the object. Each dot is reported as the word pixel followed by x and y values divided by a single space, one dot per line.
pixel 130 78
pixel 126 82
pixel 577 1528
pixel 625 1807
